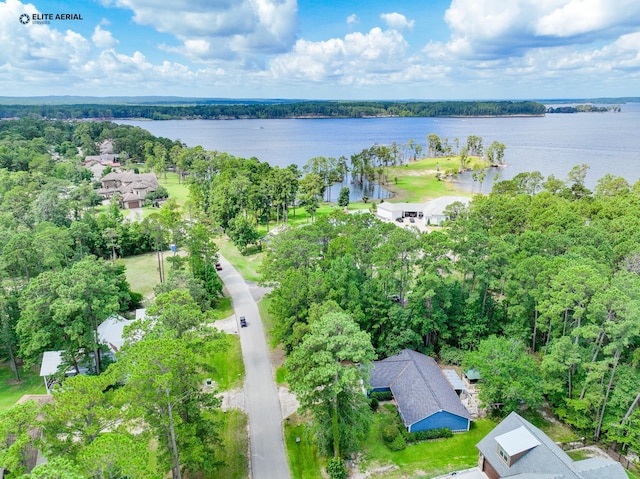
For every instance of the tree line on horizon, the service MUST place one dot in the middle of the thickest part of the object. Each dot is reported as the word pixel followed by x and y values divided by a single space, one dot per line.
pixel 293 109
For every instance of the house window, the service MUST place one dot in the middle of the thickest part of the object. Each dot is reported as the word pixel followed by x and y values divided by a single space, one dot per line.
pixel 503 455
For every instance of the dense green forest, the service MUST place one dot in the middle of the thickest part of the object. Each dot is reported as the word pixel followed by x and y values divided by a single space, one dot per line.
pixel 536 284
pixel 293 109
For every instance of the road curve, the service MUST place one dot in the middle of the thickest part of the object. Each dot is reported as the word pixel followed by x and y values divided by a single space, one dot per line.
pixel 268 458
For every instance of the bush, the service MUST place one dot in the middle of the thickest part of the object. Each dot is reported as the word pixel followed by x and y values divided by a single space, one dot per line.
pixel 373 404
pixel 382 395
pixel 451 355
pixel 429 434
pixel 398 444
pixel 336 469
pixel 389 433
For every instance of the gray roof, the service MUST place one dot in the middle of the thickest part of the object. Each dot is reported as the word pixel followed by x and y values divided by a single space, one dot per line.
pixel 544 460
pixel 418 386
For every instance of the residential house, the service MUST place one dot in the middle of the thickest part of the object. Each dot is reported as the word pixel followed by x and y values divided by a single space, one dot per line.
pixel 97 163
pixel 517 449
pixel 424 396
pixel 433 212
pixel 132 187
pixel 110 333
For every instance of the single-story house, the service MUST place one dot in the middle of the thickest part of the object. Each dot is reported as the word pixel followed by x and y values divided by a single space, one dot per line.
pixel 516 448
pixel 432 211
pixel 425 398
pixel 110 333
pixel 111 330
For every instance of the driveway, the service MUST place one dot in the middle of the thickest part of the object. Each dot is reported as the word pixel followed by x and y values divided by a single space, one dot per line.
pixel 268 459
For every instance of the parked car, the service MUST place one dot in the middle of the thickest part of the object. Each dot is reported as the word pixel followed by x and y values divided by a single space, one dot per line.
pixel 218 267
pixel 412 219
pixel 399 220
pixel 243 322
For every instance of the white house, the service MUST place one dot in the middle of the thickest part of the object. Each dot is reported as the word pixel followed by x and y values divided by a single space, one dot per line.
pixel 433 212
pixel 110 333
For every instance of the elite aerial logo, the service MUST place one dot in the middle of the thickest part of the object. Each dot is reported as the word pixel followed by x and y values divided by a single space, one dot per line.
pixel 47 18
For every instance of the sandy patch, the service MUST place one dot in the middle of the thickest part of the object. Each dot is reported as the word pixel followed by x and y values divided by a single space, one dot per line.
pixel 233 399
pixel 288 402
pixel 228 325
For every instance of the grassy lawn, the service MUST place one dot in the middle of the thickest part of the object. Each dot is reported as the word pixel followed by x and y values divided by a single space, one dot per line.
pixel 10 391
pixel 304 462
pixel 247 265
pixel 434 458
pixel 236 446
pixel 176 190
pixel 281 375
pixel 224 362
pixel 267 321
pixel 223 310
pixel 557 431
pixel 417 182
pixel 142 273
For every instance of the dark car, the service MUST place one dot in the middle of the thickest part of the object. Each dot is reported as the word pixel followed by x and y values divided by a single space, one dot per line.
pixel 399 220
pixel 412 219
pixel 243 322
pixel 218 267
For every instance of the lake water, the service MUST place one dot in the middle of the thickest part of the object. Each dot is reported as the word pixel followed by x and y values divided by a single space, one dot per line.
pixel 552 144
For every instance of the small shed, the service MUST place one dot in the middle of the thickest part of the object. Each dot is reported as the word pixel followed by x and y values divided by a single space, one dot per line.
pixel 472 376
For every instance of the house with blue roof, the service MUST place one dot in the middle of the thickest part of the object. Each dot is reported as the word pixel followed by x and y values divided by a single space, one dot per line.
pixel 424 397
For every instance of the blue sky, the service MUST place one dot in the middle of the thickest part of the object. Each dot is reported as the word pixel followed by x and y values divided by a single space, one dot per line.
pixel 323 49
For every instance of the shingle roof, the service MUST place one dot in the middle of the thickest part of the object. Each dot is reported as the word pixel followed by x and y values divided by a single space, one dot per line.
pixel 545 460
pixel 418 386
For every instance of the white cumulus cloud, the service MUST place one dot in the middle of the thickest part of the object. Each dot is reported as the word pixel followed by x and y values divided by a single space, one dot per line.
pixel 219 30
pixel 494 28
pixel 103 38
pixel 355 58
pixel 397 21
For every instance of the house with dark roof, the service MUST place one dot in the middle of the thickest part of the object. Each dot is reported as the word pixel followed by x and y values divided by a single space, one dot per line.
pixel 425 398
pixel 517 449
pixel 133 187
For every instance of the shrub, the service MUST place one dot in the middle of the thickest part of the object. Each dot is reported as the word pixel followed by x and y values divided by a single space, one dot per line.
pixel 382 395
pixel 398 444
pixel 451 355
pixel 373 404
pixel 336 469
pixel 429 434
pixel 389 433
